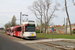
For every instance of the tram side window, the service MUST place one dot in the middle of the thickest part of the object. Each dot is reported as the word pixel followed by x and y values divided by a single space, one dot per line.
pixel 19 29
pixel 11 31
pixel 7 30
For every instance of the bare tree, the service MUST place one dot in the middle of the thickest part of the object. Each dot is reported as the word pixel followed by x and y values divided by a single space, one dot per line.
pixel 44 11
pixel 73 2
pixel 68 17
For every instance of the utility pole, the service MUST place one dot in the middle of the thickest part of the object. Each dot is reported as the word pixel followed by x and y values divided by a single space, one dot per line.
pixel 20 21
pixel 20 17
pixel 64 26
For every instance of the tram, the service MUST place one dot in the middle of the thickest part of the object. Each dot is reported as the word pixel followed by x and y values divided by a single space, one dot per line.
pixel 8 31
pixel 26 30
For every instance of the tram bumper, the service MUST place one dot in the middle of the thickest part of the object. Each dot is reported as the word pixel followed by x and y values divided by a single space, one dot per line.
pixel 30 37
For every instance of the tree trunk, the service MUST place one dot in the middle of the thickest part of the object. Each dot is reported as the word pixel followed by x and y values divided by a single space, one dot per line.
pixel 68 17
pixel 45 30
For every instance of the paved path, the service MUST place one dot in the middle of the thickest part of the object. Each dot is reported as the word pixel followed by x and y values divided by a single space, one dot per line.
pixel 7 44
pixel 44 40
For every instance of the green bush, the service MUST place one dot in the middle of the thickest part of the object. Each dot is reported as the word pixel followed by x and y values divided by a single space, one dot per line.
pixel 38 31
pixel 74 32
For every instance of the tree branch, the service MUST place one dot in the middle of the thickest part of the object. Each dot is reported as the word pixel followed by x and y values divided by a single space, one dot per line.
pixel 73 2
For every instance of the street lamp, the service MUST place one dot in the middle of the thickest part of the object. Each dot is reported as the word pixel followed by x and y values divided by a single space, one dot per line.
pixel 21 16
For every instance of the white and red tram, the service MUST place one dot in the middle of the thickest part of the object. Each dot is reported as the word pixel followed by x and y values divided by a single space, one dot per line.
pixel 8 31
pixel 26 30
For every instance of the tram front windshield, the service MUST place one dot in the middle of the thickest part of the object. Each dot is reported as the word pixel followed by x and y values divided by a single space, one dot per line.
pixel 30 28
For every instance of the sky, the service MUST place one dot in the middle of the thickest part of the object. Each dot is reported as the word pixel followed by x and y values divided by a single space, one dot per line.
pixel 8 8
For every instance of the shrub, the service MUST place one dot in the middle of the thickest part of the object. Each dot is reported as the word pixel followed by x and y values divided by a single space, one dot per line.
pixel 38 31
pixel 74 32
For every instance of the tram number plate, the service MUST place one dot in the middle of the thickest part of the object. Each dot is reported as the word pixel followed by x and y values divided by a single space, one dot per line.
pixel 32 34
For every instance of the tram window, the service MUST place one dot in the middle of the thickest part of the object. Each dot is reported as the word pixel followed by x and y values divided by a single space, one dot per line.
pixel 7 30
pixel 19 29
pixel 30 28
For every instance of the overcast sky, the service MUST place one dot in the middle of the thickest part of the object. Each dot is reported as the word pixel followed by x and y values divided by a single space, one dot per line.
pixel 8 8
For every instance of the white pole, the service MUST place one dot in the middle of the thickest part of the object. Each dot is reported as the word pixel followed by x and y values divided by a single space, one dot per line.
pixel 64 27
pixel 20 17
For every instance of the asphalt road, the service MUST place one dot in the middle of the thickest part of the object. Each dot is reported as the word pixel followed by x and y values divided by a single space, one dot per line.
pixel 7 44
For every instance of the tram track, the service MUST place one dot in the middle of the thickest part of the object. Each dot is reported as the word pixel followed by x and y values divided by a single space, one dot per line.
pixel 61 47
pixel 69 41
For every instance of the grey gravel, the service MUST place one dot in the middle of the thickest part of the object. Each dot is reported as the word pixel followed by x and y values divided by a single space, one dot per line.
pixel 43 47
pixel 63 43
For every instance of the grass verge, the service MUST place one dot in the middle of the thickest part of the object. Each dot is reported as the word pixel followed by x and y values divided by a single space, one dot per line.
pixel 67 36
